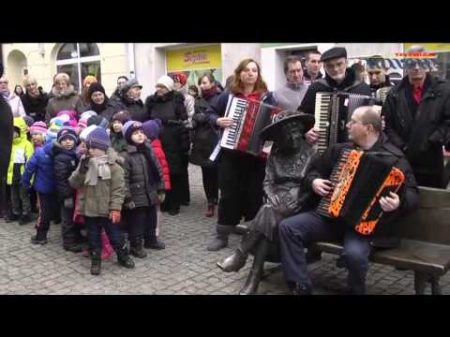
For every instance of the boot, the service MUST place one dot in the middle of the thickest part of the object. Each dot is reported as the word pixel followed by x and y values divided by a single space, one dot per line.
pixel 123 257
pixel 137 248
pixel 210 211
pixel 96 263
pixel 238 259
pixel 154 244
pixel 39 238
pixel 221 238
pixel 252 283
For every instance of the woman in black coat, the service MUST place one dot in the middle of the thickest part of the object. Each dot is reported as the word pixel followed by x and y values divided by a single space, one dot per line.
pixel 168 106
pixel 205 138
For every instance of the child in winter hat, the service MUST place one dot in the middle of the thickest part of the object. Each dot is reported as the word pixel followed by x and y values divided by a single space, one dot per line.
pixel 38 132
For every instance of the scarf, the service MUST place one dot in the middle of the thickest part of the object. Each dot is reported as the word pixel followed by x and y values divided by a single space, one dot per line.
pixel 98 168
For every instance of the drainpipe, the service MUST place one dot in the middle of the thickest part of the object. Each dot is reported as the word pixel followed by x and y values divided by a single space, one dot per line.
pixel 131 62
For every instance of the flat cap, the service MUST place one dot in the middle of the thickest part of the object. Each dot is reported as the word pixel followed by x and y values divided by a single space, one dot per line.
pixel 333 53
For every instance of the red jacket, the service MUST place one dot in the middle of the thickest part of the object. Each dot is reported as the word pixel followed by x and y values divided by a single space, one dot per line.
pixel 159 152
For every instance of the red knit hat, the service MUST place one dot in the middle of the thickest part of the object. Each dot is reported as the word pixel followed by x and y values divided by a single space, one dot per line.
pixel 180 77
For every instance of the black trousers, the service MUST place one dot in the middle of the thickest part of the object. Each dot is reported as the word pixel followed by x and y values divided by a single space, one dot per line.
pixel 174 195
pixel 94 227
pixel 48 210
pixel 211 183
pixel 138 220
pixel 69 230
pixel 185 195
pixel 150 225
pixel 5 197
pixel 241 187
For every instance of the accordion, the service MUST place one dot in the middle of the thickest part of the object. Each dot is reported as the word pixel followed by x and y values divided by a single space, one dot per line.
pixel 332 112
pixel 360 179
pixel 249 118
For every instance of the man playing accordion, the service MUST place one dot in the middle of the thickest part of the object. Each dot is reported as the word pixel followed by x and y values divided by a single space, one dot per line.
pixel 298 231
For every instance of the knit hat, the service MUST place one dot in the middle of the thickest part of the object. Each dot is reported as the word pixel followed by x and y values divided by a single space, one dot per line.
pixel 129 128
pixel 152 128
pixel 166 81
pixel 82 123
pixel 66 133
pixel 121 116
pixel 68 117
pixel 38 127
pixel 130 84
pixel 88 114
pixel 86 131
pixel 89 79
pixel 94 87
pixel 98 120
pixel 28 120
pixel 180 77
pixel 98 139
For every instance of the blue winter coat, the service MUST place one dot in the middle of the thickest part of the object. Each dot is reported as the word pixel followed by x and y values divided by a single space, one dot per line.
pixel 41 166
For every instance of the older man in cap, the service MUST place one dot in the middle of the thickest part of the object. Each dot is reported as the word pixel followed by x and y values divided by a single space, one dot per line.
pixel 417 113
pixel 337 78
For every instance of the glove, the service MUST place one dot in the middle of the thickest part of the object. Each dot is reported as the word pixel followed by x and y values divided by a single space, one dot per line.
pixel 84 164
pixel 115 216
pixel 68 203
pixel 161 196
pixel 130 205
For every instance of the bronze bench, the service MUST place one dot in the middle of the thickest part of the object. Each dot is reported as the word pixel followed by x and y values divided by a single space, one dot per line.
pixel 425 241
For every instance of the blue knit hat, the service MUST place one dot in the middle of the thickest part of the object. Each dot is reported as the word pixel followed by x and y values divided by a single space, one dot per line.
pixel 67 133
pixel 129 128
pixel 152 128
pixel 98 139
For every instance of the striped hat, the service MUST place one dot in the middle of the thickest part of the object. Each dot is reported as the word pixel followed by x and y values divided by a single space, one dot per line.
pixel 38 127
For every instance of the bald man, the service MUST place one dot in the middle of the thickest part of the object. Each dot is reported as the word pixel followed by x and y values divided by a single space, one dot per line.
pixel 298 231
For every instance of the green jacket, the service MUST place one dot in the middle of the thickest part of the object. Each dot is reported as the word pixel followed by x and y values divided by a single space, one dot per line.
pixel 107 195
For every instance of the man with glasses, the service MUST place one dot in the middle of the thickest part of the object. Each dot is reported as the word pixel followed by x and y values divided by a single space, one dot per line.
pixel 337 78
pixel 298 231
pixel 290 95
pixel 417 114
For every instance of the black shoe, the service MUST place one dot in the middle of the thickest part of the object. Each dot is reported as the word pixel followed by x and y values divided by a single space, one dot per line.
pixel 11 218
pixel 185 203
pixel 24 219
pixel 124 258
pixel 74 247
pixel 174 211
pixel 299 289
pixel 155 244
pixel 138 252
pixel 39 239
pixel 234 262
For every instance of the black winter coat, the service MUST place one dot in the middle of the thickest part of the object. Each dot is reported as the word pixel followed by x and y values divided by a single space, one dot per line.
pixel 7 130
pixel 174 136
pixel 143 176
pixel 136 109
pixel 35 106
pixel 65 162
pixel 422 136
pixel 327 84
pixel 204 135
pixel 322 166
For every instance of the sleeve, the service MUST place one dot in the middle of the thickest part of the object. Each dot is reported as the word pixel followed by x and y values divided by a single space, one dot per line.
pixel 320 167
pixel 309 101
pixel 217 109
pixel 441 135
pixel 20 108
pixel 62 175
pixel 158 167
pixel 117 186
pixel 189 105
pixel 126 178
pixel 30 170
pixel 388 111
pixel 76 179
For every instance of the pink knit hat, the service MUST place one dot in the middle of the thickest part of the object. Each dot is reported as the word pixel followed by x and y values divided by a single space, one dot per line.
pixel 38 127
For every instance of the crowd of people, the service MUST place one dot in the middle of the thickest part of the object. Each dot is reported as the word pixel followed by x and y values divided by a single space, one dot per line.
pixel 106 167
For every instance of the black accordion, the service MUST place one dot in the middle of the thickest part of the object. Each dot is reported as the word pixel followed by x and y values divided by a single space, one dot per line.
pixel 332 112
pixel 360 179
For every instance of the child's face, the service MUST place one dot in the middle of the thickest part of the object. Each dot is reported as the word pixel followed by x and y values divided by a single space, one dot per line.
pixel 117 126
pixel 37 139
pixel 96 152
pixel 138 137
pixel 67 143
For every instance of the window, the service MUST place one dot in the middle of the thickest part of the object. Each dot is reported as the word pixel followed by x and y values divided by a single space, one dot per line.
pixel 79 60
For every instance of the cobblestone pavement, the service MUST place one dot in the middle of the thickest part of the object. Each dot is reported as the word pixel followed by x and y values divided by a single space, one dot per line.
pixel 184 267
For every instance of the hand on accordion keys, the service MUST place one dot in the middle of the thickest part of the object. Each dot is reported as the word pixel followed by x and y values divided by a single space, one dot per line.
pixel 322 186
pixel 224 122
pixel 312 136
pixel 390 203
